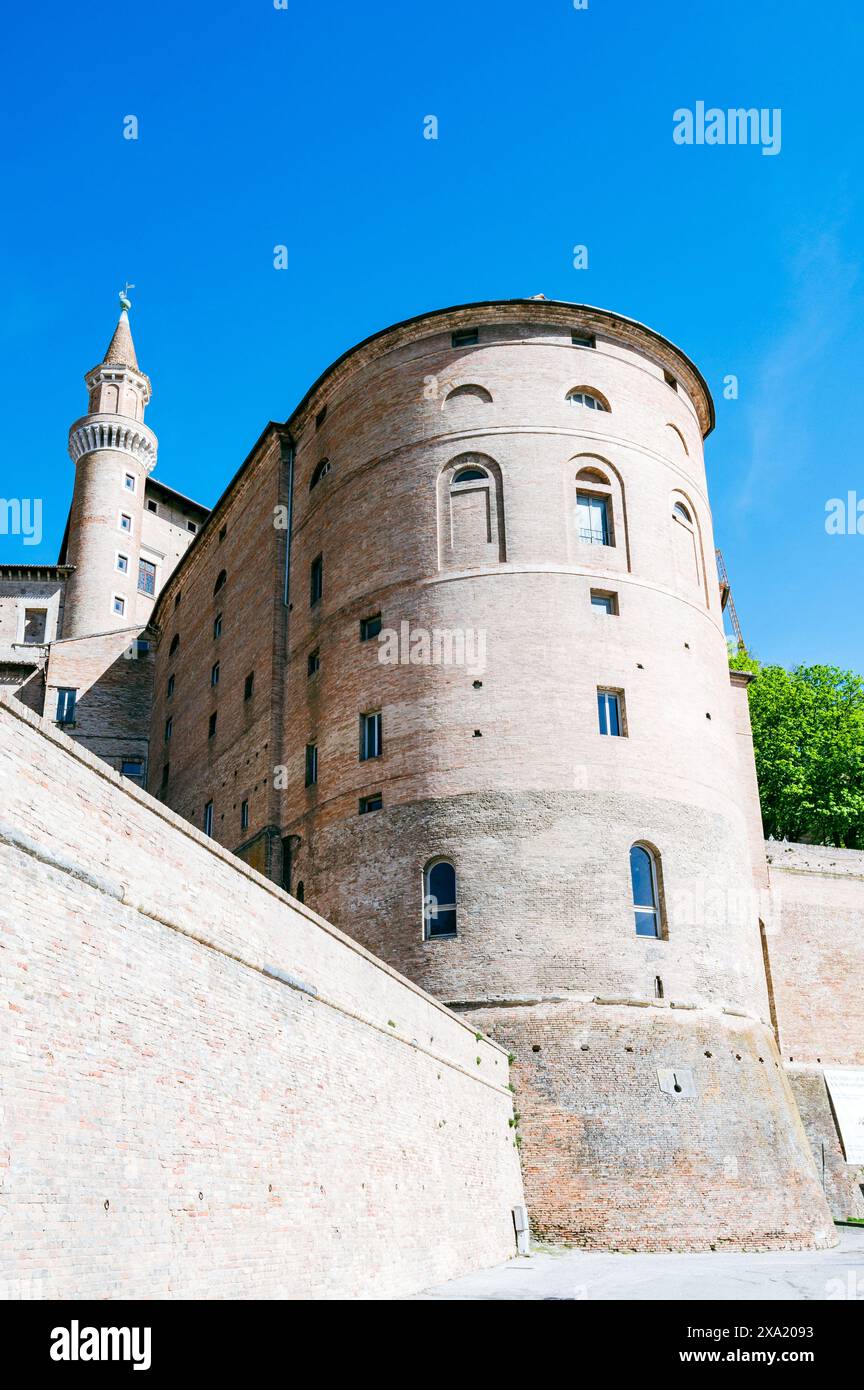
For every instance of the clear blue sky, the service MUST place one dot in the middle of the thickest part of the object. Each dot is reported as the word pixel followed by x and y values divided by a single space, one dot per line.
pixel 304 127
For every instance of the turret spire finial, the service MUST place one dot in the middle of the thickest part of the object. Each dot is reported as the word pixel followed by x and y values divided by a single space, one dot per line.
pixel 125 301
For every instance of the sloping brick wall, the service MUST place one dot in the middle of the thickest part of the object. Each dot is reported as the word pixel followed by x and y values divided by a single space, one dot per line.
pixel 815 948
pixel 209 1091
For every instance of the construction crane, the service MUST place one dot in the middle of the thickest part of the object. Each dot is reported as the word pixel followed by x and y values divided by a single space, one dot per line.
pixel 727 602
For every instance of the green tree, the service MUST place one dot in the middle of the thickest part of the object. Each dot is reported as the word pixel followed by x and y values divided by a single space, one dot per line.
pixel 808 736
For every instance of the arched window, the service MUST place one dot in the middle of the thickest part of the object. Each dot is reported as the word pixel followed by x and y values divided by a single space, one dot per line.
pixel 470 475
pixel 175 643
pixel 439 899
pixel 321 471
pixel 686 546
pixel 470 513
pixel 220 582
pixel 645 878
pixel 469 389
pixel 592 400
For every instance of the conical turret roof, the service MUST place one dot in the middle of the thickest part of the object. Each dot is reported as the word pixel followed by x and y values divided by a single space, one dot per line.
pixel 121 349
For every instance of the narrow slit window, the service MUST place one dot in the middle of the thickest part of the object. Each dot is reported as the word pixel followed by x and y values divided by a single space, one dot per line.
pixel 370 736
pixel 311 764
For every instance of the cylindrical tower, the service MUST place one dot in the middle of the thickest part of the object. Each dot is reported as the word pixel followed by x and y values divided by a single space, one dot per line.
pixel 525 791
pixel 113 452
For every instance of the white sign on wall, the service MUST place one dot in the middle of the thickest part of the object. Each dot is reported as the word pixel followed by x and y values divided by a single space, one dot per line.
pixel 846 1088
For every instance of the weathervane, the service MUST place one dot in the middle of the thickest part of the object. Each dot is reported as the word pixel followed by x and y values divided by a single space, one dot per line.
pixel 125 301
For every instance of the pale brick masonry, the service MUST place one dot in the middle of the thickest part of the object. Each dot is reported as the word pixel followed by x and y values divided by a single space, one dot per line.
pixel 209 1092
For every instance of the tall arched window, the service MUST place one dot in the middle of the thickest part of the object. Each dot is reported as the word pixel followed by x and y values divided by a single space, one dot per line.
pixel 439 899
pixel 220 582
pixel 686 547
pixel 470 521
pixel 645 878
pixel 594 508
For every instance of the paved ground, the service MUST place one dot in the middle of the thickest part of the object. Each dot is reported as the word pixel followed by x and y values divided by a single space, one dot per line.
pixel 578 1274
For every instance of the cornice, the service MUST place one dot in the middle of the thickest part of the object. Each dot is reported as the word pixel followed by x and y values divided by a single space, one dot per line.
pixel 119 433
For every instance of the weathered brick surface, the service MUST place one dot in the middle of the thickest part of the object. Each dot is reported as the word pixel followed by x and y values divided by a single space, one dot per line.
pixel 611 1161
pixel 179 1123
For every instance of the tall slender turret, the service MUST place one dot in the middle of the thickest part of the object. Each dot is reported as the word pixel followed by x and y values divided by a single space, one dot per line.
pixel 113 452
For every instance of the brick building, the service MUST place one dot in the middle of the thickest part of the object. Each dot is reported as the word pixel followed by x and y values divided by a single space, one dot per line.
pixel 446 660
pixel 71 639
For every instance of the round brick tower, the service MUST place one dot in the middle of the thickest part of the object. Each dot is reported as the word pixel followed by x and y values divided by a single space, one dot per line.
pixel 113 452
pixel 550 823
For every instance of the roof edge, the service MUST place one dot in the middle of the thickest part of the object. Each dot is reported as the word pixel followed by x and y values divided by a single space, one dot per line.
pixel 537 305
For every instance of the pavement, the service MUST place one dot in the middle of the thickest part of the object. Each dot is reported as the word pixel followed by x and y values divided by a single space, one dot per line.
pixel 552 1273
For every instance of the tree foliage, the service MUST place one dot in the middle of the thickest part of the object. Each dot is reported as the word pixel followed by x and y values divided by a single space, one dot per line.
pixel 808 736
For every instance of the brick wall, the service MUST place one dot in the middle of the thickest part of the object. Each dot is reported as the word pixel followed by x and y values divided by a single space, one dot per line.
pixel 815 948
pixel 611 1160
pixel 181 1120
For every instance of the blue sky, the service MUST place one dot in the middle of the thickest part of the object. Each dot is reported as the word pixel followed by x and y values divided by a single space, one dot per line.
pixel 303 127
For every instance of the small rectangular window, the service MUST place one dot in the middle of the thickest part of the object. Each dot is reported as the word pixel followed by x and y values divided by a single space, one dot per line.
pixel 311 764
pixel 129 482
pixel 151 506
pixel 208 818
pixel 125 522
pixel 370 627
pixel 370 736
pixel 122 564
pixel 465 337
pixel 35 626
pixel 313 662
pixel 132 767
pixel 374 802
pixel 244 815
pixel 670 380
pixel 610 712
pixel 320 417
pixel 142 646
pixel 604 602
pixel 249 686
pixel 66 705
pixel 170 690
pixel 146 577
pixel 169 728
pixel 592 515
pixel 580 339
pixel 191 526
pixel 316 579
pixel 119 604
pixel 211 725
pixel 217 625
pixel 214 673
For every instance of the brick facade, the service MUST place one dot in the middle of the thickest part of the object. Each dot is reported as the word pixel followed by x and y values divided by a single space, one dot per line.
pixel 210 1092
